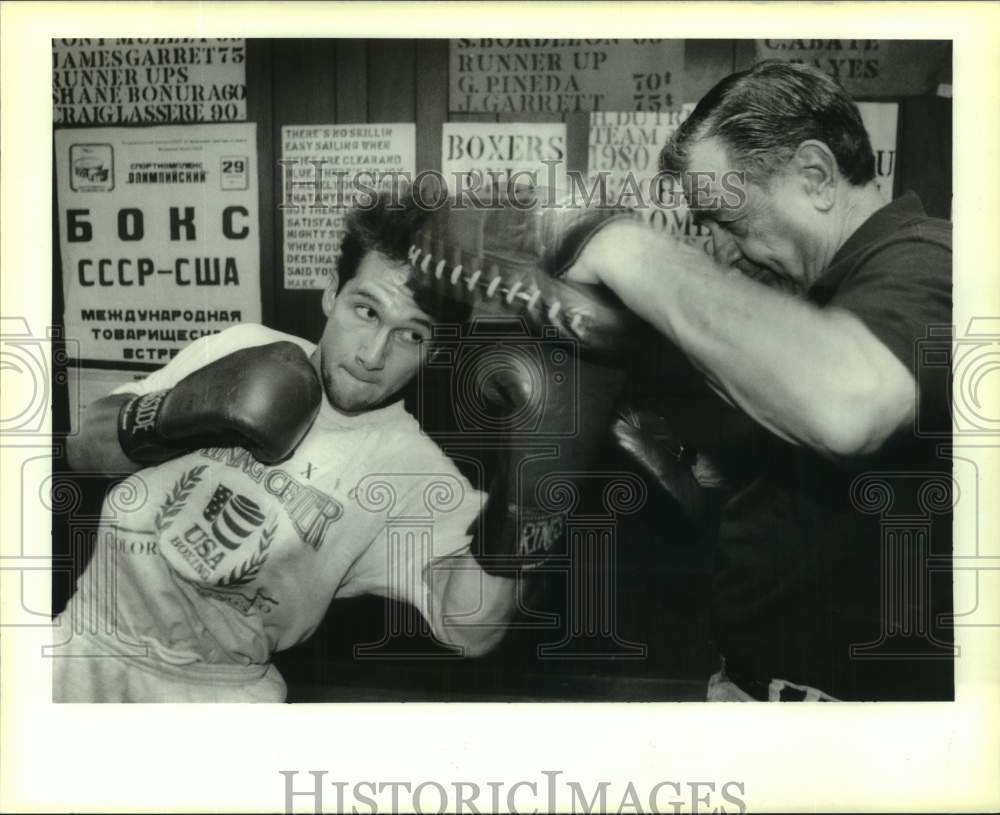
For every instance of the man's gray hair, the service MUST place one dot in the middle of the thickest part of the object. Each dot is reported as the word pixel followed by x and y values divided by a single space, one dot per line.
pixel 762 115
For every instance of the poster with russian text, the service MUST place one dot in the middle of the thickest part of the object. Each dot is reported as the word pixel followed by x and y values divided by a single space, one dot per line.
pixel 323 166
pixel 498 75
pixel 123 80
pixel 159 236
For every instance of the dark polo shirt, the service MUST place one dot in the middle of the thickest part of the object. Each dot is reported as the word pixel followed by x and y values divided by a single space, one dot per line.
pixel 836 575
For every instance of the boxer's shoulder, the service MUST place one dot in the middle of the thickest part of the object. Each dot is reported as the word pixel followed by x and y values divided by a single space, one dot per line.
pixel 245 335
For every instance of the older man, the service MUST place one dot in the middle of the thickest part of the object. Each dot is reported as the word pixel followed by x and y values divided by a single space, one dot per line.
pixel 811 601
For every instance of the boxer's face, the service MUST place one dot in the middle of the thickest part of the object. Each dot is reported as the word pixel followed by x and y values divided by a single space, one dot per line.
pixel 375 337
pixel 768 232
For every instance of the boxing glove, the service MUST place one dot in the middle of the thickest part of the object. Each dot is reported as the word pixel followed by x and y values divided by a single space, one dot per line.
pixel 263 398
pixel 555 387
pixel 647 439
pixel 510 261
pixel 554 407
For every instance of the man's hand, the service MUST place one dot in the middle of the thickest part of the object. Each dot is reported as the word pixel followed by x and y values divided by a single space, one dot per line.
pixel 815 377
pixel 263 398
pixel 645 436
pixel 475 607
pixel 607 257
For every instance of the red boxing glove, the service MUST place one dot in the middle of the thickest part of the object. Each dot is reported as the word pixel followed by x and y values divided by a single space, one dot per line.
pixel 263 398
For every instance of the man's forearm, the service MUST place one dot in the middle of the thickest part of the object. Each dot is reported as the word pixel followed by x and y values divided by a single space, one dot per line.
pixel 95 447
pixel 814 377
pixel 475 606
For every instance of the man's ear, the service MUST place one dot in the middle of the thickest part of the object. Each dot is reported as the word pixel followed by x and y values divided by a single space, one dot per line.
pixel 330 294
pixel 817 166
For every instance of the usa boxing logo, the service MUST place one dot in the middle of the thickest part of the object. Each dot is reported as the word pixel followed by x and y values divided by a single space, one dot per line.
pixel 234 518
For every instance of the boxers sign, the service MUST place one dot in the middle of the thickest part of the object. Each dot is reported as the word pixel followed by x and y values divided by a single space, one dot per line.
pixel 564 75
pixel 158 231
pixel 323 167
pixel 623 155
pixel 490 153
pixel 121 80
pixel 866 68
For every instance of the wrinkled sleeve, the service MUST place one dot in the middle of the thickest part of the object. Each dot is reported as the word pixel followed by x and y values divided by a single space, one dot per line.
pixel 903 295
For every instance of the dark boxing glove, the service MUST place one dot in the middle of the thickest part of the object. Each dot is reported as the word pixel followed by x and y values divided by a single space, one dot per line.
pixel 555 386
pixel 647 439
pixel 263 398
pixel 554 406
pixel 510 260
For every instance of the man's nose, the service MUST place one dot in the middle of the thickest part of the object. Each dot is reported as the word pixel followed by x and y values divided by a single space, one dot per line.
pixel 372 352
pixel 724 248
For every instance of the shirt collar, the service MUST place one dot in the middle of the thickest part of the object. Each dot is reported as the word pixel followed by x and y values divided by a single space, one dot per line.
pixel 391 412
pixel 880 223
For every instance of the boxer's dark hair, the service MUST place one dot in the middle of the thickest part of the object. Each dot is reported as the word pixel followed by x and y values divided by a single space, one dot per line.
pixel 387 224
pixel 762 115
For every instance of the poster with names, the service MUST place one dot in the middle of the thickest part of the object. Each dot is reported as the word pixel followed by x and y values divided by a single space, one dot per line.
pixel 867 69
pixel 623 153
pixel 539 76
pixel 129 81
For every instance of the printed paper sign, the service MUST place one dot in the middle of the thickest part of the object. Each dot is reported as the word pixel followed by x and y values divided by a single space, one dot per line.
pixel 880 121
pixel 323 165
pixel 564 75
pixel 624 151
pixel 110 81
pixel 866 68
pixel 492 153
pixel 159 235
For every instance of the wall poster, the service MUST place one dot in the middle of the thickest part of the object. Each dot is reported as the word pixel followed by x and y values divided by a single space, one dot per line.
pixel 323 166
pixel 159 236
pixel 122 80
